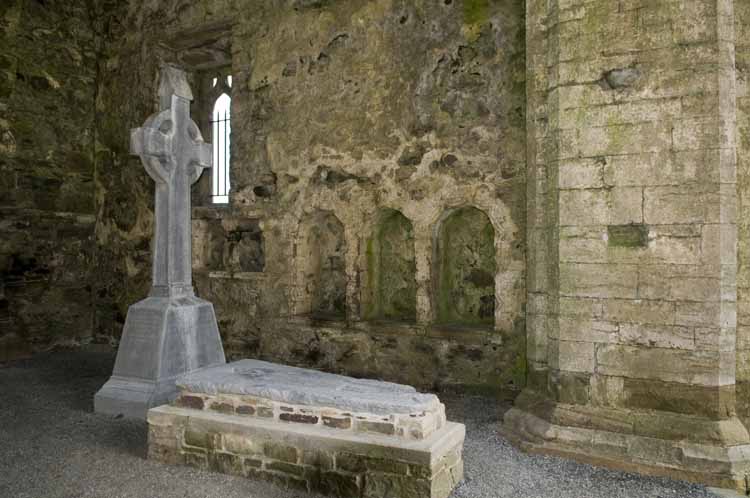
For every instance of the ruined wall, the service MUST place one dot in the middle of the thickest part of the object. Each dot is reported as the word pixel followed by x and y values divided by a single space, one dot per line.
pixel 342 109
pixel 47 92
pixel 127 84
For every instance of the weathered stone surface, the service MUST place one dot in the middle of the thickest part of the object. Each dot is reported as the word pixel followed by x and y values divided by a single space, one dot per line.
pixel 453 138
pixel 605 142
pixel 48 71
pixel 337 422
pixel 707 453
pixel 282 452
pixel 194 402
pixel 308 387
pixel 633 203
pixel 391 269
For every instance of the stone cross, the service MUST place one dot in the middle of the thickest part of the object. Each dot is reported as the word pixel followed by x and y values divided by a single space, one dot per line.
pixel 174 155
pixel 171 332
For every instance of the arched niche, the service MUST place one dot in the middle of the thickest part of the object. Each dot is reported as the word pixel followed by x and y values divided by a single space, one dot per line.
pixel 321 262
pixel 465 268
pixel 391 266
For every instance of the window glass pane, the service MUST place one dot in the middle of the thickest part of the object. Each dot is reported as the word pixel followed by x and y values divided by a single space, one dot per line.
pixel 221 131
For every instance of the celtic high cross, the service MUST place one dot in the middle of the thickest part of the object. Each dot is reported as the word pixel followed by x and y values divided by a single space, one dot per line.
pixel 171 332
pixel 174 155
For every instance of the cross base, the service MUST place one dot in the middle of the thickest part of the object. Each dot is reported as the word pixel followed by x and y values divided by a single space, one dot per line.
pixel 163 339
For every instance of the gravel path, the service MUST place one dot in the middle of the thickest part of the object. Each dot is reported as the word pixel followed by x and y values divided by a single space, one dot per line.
pixel 52 445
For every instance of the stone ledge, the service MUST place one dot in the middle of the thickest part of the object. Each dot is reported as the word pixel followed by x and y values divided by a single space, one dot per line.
pixel 664 425
pixel 308 457
pixel 710 464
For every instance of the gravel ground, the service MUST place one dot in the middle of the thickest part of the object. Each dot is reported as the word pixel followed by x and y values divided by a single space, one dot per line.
pixel 52 445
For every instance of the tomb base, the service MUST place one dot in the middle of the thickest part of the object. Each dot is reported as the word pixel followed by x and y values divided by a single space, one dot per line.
pixel 711 452
pixel 310 431
pixel 163 338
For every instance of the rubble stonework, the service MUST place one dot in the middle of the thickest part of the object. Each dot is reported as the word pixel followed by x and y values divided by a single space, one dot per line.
pixel 331 132
pixel 598 148
pixel 47 215
pixel 268 421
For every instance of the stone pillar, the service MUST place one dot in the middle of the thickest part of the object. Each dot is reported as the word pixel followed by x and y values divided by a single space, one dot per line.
pixel 742 56
pixel 633 238
pixel 171 332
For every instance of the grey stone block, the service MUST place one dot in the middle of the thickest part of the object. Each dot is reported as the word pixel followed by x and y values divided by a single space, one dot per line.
pixel 301 386
pixel 163 339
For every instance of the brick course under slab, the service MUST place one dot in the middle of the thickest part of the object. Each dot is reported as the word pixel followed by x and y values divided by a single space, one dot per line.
pixel 254 388
pixel 309 457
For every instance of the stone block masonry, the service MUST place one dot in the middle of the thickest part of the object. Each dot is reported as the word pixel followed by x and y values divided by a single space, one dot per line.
pixel 635 288
pixel 308 457
pixel 409 426
pixel 309 430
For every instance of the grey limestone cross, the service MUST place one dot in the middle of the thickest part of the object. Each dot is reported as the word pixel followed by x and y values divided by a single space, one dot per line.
pixel 174 155
pixel 171 332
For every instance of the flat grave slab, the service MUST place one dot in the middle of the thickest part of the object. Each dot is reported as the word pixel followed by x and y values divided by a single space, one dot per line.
pixel 310 430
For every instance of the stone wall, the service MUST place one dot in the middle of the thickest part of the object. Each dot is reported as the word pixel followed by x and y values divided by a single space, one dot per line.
pixel 305 458
pixel 633 227
pixel 742 57
pixel 341 111
pixel 47 92
pixel 635 160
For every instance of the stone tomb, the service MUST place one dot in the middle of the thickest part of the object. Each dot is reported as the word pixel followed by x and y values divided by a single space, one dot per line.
pixel 310 430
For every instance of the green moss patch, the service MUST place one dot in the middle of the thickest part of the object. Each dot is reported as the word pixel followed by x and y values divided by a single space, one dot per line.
pixel 466 268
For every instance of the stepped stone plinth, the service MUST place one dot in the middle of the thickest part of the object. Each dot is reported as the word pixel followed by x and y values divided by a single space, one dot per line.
pixel 310 430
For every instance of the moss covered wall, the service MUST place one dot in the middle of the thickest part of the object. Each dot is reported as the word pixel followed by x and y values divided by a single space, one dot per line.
pixel 391 289
pixel 341 107
pixel 47 91
pixel 465 268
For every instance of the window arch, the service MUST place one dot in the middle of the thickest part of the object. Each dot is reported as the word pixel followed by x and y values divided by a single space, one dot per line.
pixel 221 131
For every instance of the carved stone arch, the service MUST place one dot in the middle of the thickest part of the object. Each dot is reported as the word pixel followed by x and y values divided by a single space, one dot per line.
pixel 320 267
pixel 390 284
pixel 464 268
